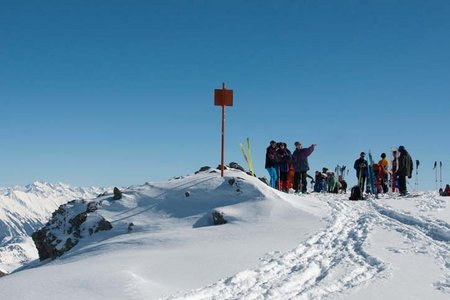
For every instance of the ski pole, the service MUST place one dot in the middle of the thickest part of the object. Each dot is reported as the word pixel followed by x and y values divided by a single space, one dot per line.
pixel 440 175
pixel 435 173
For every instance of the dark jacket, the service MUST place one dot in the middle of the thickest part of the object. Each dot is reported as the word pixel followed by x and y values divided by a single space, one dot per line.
pixel 283 158
pixel 405 164
pixel 271 153
pixel 360 163
pixel 300 158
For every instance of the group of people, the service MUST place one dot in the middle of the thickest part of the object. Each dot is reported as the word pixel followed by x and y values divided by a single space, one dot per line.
pixel 330 182
pixel 281 164
pixel 402 167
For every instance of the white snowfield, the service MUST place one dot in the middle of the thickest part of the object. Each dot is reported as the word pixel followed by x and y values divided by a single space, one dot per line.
pixel 274 246
pixel 23 210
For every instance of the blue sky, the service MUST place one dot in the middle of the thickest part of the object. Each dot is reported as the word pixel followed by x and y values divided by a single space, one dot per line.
pixel 121 92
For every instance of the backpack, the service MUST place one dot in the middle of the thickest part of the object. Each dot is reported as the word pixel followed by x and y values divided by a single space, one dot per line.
pixel 355 193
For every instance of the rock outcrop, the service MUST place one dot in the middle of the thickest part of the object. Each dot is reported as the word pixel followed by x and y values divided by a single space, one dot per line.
pixel 68 224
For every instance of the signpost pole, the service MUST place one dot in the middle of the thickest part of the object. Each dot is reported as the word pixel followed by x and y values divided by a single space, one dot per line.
pixel 223 97
pixel 223 132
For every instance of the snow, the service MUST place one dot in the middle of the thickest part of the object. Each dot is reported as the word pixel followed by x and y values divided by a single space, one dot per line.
pixel 274 246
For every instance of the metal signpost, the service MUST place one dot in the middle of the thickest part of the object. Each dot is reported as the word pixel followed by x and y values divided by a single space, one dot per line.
pixel 223 98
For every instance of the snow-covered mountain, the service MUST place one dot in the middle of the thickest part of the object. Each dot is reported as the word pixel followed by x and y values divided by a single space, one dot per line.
pixel 273 246
pixel 24 209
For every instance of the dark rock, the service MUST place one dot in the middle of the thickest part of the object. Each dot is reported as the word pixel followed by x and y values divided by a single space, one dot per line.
pixel 187 194
pixel 2 274
pixel 218 218
pixel 203 169
pixel 92 206
pixel 78 219
pixel 232 181
pixel 117 194
pixel 130 227
pixel 103 225
pixel 219 167
pixel 43 244
pixel 69 245
pixel 264 179
pixel 236 166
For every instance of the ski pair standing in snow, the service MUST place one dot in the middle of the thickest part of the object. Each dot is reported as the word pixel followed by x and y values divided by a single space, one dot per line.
pixel 301 166
pixel 405 168
pixel 361 170
pixel 271 163
pixel 394 170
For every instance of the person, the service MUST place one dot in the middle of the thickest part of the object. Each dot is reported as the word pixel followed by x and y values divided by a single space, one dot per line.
pixel 271 152
pixel 301 166
pixel 318 182
pixel 378 173
pixel 394 179
pixel 325 180
pixel 404 169
pixel 445 192
pixel 283 158
pixel 343 184
pixel 361 170
pixel 333 183
pixel 384 168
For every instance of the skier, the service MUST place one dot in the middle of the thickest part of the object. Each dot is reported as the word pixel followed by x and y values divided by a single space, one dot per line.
pixel 383 166
pixel 283 158
pixel 361 170
pixel 405 168
pixel 301 166
pixel 271 152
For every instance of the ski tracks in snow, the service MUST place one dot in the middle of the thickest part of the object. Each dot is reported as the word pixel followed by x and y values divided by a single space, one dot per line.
pixel 425 235
pixel 327 264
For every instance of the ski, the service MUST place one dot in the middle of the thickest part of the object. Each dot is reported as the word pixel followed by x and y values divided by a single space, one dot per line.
pixel 250 157
pixel 394 169
pixel 372 177
pixel 435 168
pixel 416 183
pixel 245 155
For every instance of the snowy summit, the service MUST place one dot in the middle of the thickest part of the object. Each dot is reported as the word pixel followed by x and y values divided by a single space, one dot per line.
pixel 206 237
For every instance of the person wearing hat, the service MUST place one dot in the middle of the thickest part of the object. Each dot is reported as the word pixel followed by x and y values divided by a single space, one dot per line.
pixel 405 168
pixel 271 152
pixel 361 170
pixel 301 166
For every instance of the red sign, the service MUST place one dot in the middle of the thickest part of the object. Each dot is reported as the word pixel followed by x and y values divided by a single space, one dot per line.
pixel 223 97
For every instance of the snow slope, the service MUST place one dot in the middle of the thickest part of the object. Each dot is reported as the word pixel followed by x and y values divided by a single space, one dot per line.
pixel 274 246
pixel 24 209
